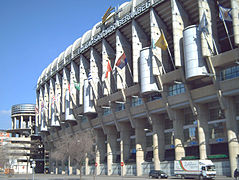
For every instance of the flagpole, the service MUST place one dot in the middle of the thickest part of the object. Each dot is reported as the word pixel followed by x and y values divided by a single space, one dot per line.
pixel 131 74
pixel 169 53
pixel 225 26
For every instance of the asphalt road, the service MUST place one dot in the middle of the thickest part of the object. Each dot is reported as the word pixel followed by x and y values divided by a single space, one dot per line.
pixel 74 177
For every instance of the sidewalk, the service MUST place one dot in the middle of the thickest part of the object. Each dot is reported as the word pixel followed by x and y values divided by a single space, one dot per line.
pixel 77 177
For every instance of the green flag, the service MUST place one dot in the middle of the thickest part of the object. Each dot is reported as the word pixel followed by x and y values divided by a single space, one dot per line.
pixel 77 85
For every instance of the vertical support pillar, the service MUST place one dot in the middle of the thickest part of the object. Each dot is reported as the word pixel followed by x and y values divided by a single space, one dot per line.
pixel 140 144
pixel 107 54
pixel 203 132
pixel 70 168
pixel 158 140
pixel 139 40
pixel 123 46
pixel 21 122
pixel 15 122
pixel 65 84
pixel 84 65
pixel 57 167
pixel 235 20
pixel 77 171
pixel 12 123
pixel 29 122
pixel 125 130
pixel 178 134
pixel 180 20
pixel 87 170
pixel 230 113
pixel 63 167
pixel 100 149
pixel 58 93
pixel 111 147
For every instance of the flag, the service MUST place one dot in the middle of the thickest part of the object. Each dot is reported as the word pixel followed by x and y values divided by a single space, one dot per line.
pixel 53 100
pixel 203 25
pixel 36 110
pixel 122 61
pixel 225 13
pixel 108 69
pixel 69 87
pixel 161 42
pixel 77 85
pixel 89 76
pixel 42 106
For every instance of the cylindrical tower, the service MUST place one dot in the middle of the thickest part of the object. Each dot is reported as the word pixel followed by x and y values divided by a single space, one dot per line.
pixel 23 119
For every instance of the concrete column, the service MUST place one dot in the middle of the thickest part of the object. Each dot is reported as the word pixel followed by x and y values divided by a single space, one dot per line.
pixel 77 171
pixel 57 167
pixel 70 169
pixel 29 122
pixel 140 144
pixel 230 113
pixel 158 140
pixel 87 170
pixel 15 123
pixel 107 53
pixel 12 123
pixel 63 167
pixel 203 132
pixel 21 123
pixel 58 93
pixel 125 131
pixel 111 147
pixel 100 149
pixel 178 134
pixel 65 83
pixel 180 20
pixel 123 46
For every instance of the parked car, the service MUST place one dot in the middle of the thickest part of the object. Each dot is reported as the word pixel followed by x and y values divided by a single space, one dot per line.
pixel 157 174
pixel 236 173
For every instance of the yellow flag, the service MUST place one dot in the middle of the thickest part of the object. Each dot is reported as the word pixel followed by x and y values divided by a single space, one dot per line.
pixel 161 42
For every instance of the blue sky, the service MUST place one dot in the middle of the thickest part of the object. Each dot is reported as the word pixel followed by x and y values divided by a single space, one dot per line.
pixel 32 34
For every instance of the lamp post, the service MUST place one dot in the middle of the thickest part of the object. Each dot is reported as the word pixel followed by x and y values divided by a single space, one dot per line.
pixel 33 166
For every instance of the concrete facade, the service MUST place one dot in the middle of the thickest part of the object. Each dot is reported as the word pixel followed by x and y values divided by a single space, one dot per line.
pixel 23 126
pixel 175 117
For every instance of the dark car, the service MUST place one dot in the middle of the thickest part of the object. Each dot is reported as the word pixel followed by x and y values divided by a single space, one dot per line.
pixel 236 173
pixel 157 174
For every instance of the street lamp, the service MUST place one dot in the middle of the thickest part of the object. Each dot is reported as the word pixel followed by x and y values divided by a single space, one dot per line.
pixel 33 166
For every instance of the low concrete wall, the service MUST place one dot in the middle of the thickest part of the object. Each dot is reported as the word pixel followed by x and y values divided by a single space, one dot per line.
pixel 223 168
pixel 130 169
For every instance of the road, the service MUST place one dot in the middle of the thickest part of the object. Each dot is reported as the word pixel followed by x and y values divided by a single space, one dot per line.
pixel 74 177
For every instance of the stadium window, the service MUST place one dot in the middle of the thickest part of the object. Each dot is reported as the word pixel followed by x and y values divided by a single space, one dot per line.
pixel 176 89
pixel 229 73
pixel 119 107
pixel 136 101
pixel 106 111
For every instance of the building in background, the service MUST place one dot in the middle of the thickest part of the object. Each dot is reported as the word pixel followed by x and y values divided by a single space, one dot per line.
pixel 156 80
pixel 3 137
pixel 22 146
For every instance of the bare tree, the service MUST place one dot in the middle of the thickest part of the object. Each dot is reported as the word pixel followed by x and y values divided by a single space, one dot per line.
pixel 4 158
pixel 76 147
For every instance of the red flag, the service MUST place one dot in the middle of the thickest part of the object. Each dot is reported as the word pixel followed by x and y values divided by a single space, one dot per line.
pixel 69 87
pixel 108 69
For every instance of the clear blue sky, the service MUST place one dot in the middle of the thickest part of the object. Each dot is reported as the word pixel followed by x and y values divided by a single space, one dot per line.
pixel 32 34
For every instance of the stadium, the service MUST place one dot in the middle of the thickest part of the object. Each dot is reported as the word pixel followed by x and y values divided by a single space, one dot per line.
pixel 156 80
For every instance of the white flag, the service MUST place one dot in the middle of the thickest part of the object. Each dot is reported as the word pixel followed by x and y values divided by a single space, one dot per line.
pixel 203 26
pixel 225 13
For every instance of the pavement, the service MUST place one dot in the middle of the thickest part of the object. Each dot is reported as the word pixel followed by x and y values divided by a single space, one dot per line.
pixel 77 177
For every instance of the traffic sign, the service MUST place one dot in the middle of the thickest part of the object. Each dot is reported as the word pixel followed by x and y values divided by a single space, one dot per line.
pixel 96 164
pixel 122 163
